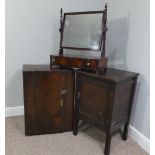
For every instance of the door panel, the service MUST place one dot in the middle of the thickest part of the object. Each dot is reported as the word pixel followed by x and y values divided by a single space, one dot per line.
pixel 49 102
pixel 93 98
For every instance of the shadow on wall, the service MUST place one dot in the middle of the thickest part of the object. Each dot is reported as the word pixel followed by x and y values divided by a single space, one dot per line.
pixel 116 43
pixel 14 90
pixel 116 51
pixel 140 105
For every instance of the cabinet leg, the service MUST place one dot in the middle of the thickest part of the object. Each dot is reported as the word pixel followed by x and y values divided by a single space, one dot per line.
pixel 107 143
pixel 75 127
pixel 75 132
pixel 125 132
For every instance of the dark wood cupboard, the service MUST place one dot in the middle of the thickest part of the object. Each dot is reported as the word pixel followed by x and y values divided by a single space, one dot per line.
pixel 105 99
pixel 55 99
pixel 48 99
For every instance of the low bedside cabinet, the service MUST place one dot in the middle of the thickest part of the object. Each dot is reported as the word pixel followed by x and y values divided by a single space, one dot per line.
pixel 105 99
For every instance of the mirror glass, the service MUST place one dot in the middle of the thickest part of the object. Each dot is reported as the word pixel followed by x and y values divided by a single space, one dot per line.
pixel 82 31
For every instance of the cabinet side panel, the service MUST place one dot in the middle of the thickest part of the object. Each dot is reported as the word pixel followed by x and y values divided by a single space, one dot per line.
pixel 29 103
pixel 121 106
pixel 68 125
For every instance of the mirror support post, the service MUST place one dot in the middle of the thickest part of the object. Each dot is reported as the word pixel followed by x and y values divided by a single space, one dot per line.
pixel 61 31
pixel 103 60
pixel 104 30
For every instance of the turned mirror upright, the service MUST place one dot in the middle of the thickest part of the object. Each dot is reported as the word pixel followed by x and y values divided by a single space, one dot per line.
pixel 82 31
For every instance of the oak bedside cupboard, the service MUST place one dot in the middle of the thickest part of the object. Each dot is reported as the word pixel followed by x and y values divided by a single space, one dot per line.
pixel 48 99
pixel 105 99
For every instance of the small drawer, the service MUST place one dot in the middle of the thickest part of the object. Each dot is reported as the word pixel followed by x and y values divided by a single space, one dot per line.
pixel 65 61
pixel 77 62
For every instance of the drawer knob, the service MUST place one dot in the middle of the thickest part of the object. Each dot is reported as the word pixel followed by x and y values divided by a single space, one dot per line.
pixel 88 64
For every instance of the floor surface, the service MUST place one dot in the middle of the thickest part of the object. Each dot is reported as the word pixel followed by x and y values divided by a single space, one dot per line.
pixel 89 141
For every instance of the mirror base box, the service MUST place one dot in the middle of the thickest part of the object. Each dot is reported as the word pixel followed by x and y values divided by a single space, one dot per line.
pixel 77 62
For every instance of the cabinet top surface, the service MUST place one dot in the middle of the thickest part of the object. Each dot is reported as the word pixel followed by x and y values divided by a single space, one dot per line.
pixel 42 67
pixel 111 75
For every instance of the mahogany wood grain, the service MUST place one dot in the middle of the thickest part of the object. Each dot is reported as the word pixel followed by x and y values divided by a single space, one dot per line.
pixel 77 62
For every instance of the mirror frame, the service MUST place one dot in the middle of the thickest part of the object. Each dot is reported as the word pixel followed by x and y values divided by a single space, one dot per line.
pixel 103 12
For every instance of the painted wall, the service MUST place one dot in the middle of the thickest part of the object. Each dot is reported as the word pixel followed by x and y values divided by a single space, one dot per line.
pixel 32 35
pixel 128 48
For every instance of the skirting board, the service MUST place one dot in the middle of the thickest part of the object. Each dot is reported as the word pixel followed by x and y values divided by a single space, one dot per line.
pixel 139 138
pixel 14 111
pixel 133 133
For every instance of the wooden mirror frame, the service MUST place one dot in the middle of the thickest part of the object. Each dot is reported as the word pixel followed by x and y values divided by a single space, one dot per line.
pixel 102 36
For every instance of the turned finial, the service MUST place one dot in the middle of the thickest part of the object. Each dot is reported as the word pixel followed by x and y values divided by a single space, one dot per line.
pixel 61 18
pixel 106 7
pixel 61 29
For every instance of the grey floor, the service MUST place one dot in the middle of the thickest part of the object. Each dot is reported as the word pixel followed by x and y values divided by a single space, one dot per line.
pixel 89 141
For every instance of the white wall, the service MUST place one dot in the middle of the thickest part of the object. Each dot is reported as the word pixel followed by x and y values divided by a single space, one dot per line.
pixel 32 35
pixel 138 59
pixel 128 48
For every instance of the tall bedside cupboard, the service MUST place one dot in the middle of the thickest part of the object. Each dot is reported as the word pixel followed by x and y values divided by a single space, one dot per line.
pixel 48 99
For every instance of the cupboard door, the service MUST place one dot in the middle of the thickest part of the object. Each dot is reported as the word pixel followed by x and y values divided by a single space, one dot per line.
pixel 49 101
pixel 92 98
